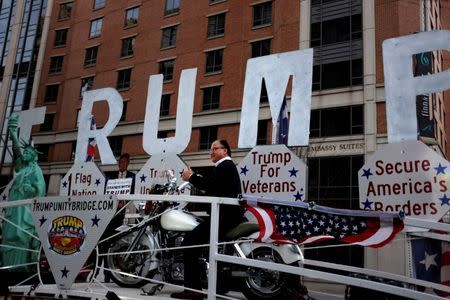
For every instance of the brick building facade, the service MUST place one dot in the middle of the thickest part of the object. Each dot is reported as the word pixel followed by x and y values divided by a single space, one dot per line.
pixel 120 43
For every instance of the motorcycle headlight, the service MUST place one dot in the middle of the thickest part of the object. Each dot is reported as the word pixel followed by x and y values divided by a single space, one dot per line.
pixel 141 208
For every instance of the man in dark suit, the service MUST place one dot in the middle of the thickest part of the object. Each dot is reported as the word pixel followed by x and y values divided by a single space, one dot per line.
pixel 123 173
pixel 124 161
pixel 117 220
pixel 224 182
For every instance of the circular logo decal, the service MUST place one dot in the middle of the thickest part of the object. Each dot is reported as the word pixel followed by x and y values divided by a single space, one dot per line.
pixel 66 235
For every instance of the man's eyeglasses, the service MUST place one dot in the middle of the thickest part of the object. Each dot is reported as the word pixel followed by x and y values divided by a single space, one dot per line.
pixel 215 148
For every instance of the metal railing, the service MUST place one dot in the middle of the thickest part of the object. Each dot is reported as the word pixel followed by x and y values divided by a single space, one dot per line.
pixel 215 256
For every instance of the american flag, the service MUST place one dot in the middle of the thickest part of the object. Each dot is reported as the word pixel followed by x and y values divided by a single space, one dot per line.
pixel 431 261
pixel 283 124
pixel 90 153
pixel 304 223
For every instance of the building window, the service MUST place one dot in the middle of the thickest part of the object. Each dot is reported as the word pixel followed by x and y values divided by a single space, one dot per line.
pixel 166 68
pixel 261 48
pixel 72 152
pixel 162 134
pixel 48 122
pixel 123 79
pixel 262 14
pixel 337 121
pixel 169 37
pixel 131 16
pixel 165 105
pixel 116 144
pixel 333 181
pixel 51 93
pixel 214 61
pixel 86 84
pixel 263 98
pixel 60 37
pixel 211 98
pixel 207 136
pixel 96 28
pixel 336 36
pixel 77 119
pixel 90 58
pixel 124 111
pixel 262 132
pixel 99 4
pixel 56 63
pixel 172 6
pixel 127 46
pixel 43 152
pixel 65 10
pixel 216 25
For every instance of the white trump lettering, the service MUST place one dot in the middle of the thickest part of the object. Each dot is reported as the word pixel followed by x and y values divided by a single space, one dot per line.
pixel 401 85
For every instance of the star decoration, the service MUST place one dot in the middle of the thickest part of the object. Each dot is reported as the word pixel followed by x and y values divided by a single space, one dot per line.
pixel 143 177
pixel 95 221
pixel 64 272
pixel 97 182
pixel 4 197
pixel 42 220
pixel 445 200
pixel 298 196
pixel 244 170
pixel 366 173
pixel 367 204
pixel 440 169
pixel 429 260
pixel 65 184
pixel 293 172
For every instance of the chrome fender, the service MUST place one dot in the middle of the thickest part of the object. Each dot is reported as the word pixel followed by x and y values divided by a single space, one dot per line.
pixel 153 244
pixel 290 253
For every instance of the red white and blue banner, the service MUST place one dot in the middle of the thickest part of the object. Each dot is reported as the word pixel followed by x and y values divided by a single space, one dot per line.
pixel 305 223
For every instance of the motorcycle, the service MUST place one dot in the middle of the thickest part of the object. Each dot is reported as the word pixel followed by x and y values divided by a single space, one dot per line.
pixel 145 251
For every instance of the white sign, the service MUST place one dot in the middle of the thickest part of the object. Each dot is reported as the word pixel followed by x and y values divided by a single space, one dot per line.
pixel 276 70
pixel 273 171
pixel 121 186
pixel 83 179
pixel 401 86
pixel 27 118
pixel 158 170
pixel 408 177
pixel 85 132
pixel 69 229
pixel 185 106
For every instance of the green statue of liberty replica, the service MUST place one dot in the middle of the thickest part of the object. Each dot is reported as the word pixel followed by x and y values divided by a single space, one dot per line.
pixel 28 182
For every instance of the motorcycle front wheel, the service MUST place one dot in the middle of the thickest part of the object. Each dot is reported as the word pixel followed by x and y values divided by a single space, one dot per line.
pixel 133 264
pixel 268 284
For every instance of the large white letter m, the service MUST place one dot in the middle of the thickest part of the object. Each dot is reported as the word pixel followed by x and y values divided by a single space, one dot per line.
pixel 276 70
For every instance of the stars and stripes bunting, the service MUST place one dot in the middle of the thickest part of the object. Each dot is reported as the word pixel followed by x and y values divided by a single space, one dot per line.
pixel 303 223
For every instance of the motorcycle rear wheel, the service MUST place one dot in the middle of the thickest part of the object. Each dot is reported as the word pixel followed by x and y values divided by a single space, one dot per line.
pixel 268 284
pixel 136 264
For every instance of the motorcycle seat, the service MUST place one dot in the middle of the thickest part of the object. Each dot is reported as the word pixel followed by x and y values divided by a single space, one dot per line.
pixel 241 230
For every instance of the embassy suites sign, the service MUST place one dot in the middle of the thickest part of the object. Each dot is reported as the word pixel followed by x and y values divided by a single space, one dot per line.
pixel 335 148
